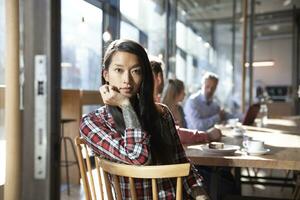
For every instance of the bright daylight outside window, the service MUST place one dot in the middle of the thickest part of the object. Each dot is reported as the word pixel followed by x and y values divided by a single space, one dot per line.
pixel 81 45
pixel 145 22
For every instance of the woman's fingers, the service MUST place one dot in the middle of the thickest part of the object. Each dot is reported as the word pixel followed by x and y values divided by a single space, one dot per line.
pixel 104 89
pixel 111 95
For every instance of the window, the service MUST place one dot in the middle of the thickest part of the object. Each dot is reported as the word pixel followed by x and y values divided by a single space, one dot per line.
pixel 81 45
pixel 145 22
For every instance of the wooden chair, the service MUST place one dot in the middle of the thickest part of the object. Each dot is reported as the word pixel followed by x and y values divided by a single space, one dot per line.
pixel 90 182
pixel 131 171
pixel 145 172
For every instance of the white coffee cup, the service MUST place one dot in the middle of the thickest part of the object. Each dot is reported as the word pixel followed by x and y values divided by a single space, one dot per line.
pixel 254 145
pixel 233 122
pixel 239 131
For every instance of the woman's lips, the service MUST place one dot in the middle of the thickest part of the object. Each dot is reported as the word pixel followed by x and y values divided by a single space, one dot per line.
pixel 126 90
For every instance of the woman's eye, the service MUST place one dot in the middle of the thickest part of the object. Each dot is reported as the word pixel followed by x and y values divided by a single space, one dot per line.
pixel 136 71
pixel 118 70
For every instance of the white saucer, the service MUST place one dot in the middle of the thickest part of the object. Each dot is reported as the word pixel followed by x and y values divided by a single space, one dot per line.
pixel 227 150
pixel 257 153
pixel 237 134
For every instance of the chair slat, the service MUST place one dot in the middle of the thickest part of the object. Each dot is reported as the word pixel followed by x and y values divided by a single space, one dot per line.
pixel 132 189
pixel 90 172
pixel 179 188
pixel 107 186
pixel 99 178
pixel 82 168
pixel 117 186
pixel 154 189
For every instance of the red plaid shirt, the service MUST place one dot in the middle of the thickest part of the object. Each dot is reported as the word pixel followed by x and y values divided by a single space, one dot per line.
pixel 132 147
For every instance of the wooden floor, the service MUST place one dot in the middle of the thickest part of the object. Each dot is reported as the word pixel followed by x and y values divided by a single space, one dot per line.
pixel 261 190
pixel 76 192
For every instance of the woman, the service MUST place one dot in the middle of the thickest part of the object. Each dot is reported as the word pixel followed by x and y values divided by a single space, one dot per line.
pixel 173 95
pixel 130 128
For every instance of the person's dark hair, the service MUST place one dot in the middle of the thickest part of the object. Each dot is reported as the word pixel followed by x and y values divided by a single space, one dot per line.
pixel 157 72
pixel 156 67
pixel 150 118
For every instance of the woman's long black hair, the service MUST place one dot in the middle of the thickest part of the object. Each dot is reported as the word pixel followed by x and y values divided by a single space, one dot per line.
pixel 161 142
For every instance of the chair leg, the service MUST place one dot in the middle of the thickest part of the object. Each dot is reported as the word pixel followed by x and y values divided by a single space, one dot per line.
pixel 286 177
pixel 74 152
pixel 67 166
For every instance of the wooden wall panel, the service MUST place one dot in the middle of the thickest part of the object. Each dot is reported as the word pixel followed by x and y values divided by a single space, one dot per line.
pixel 72 102
pixel 280 109
pixel 71 109
pixel 91 98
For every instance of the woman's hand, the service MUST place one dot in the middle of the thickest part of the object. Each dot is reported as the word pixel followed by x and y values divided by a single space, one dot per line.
pixel 214 134
pixel 112 96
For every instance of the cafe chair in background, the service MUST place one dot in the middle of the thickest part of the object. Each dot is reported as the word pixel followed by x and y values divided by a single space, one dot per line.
pixel 92 183
pixel 145 172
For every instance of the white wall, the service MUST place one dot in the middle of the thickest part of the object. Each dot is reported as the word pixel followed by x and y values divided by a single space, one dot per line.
pixel 280 51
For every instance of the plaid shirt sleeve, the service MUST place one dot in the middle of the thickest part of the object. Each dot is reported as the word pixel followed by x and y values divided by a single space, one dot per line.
pixel 130 147
pixel 194 180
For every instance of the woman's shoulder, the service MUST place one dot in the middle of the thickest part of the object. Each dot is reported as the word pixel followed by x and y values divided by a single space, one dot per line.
pixel 163 109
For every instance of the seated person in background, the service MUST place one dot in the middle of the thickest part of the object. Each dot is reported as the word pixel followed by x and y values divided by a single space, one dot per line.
pixel 173 95
pixel 158 79
pixel 187 136
pixel 130 128
pixel 201 112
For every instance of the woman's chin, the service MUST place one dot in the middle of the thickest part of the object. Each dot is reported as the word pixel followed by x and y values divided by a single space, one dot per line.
pixel 128 95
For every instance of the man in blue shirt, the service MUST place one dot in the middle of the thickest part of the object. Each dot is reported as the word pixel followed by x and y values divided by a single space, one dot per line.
pixel 201 112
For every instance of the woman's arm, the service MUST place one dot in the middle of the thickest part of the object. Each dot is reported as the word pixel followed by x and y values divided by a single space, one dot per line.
pixel 190 136
pixel 130 117
pixel 131 146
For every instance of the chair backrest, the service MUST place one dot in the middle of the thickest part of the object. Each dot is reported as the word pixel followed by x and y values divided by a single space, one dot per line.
pixel 92 183
pixel 145 172
pixel 105 167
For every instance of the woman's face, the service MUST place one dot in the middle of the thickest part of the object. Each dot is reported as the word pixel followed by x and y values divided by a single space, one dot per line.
pixel 124 72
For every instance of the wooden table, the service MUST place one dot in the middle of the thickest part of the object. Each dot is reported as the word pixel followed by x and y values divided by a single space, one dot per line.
pixel 284 152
